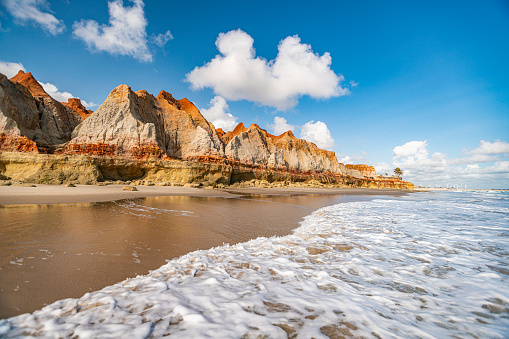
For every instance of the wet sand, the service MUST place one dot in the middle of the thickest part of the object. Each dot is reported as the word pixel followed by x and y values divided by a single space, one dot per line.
pixel 53 251
pixel 51 194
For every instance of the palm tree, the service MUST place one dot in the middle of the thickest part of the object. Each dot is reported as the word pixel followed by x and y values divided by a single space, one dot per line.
pixel 398 172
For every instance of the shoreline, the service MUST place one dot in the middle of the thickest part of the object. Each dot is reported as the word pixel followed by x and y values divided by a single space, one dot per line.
pixel 68 247
pixel 59 194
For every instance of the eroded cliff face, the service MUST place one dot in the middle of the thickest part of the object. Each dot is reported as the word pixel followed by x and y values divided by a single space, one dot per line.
pixel 139 124
pixel 361 171
pixel 91 169
pixel 255 146
pixel 134 135
pixel 29 117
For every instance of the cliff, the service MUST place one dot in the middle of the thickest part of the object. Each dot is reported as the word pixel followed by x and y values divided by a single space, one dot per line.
pixel 285 152
pixel 29 118
pixel 361 170
pixel 134 135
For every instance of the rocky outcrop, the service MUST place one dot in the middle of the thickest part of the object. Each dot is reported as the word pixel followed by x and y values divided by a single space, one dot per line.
pixel 29 116
pixel 134 135
pixel 28 80
pixel 137 123
pixel 76 105
pixel 56 121
pixel 255 146
pixel 92 169
pixel 361 171
pixel 187 133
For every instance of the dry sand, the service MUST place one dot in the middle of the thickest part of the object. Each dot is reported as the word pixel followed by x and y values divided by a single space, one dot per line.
pixel 58 242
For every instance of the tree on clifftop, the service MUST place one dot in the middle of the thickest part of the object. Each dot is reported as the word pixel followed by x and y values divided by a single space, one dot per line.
pixel 398 172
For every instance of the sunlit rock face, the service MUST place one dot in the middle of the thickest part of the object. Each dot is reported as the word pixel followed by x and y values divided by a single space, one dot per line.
pixel 135 135
pixel 361 170
pixel 76 105
pixel 137 123
pixel 254 145
pixel 29 117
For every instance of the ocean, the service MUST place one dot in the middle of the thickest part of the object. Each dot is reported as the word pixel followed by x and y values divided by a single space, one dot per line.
pixel 425 265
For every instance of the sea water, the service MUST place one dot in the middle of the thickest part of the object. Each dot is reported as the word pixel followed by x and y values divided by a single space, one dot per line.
pixel 427 265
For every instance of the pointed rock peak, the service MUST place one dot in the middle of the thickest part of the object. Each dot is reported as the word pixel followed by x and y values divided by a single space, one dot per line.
pixel 163 95
pixel 142 93
pixel 75 102
pixel 228 136
pixel 76 105
pixel 28 80
pixel 255 126
pixel 120 94
pixel 289 134
pixel 188 106
pixel 239 129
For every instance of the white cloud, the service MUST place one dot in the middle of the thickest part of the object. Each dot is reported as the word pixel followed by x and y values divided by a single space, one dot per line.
pixel 486 147
pixel 280 126
pixel 10 69
pixel 237 74
pixel 36 11
pixel 218 114
pixel 412 150
pixel 478 169
pixel 353 83
pixel 88 104
pixel 125 35
pixel 162 39
pixel 53 91
pixel 319 133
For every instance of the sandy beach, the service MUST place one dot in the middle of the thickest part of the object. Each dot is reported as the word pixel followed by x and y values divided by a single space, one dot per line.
pixel 51 194
pixel 60 242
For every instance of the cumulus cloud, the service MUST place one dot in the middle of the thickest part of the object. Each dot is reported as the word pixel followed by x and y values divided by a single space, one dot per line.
pixel 10 69
pixel 53 91
pixel 412 151
pixel 486 147
pixel 353 83
pixel 319 133
pixel 218 114
pixel 34 11
pixel 280 126
pixel 124 35
pixel 237 74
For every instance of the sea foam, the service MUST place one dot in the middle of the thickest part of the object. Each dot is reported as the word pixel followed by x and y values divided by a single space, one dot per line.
pixel 428 265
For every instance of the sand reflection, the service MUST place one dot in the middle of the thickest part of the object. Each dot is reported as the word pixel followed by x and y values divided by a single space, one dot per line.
pixel 50 252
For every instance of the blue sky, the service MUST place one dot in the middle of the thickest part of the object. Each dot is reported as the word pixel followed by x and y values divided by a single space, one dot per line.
pixel 420 85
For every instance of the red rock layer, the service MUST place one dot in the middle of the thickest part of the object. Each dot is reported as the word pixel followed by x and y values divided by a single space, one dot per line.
pixel 11 143
pixel 76 105
pixel 27 80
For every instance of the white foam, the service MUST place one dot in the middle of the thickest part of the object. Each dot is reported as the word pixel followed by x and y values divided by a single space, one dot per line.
pixel 422 266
